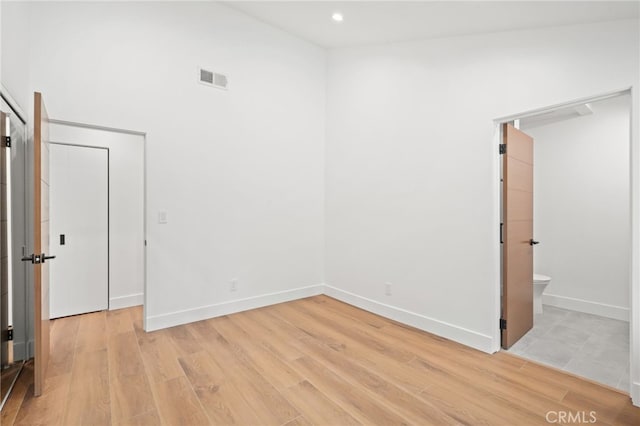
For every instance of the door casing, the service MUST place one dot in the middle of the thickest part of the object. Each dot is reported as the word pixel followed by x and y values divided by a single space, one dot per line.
pixel 634 314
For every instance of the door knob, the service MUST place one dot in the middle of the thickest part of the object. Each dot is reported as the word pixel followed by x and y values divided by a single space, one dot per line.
pixel 45 257
pixel 533 242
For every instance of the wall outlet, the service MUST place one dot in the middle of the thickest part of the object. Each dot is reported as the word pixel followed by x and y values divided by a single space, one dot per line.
pixel 387 288
pixel 233 284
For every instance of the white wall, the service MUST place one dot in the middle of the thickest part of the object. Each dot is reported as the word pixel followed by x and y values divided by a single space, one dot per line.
pixel 1 40
pixel 239 172
pixel 14 52
pixel 581 209
pixel 412 184
pixel 126 206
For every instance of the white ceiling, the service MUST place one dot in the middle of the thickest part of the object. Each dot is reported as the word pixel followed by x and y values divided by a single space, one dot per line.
pixel 370 22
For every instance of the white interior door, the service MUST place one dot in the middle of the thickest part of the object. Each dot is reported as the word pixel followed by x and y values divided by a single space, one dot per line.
pixel 79 229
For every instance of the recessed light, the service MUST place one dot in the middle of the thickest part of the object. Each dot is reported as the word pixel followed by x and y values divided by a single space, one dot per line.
pixel 337 16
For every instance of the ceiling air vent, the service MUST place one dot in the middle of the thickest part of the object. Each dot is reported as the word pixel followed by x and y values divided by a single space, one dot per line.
pixel 213 79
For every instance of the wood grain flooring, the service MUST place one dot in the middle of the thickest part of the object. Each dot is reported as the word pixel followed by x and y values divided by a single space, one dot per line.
pixel 311 361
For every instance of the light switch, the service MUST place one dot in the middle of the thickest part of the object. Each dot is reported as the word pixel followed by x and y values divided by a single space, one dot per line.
pixel 162 217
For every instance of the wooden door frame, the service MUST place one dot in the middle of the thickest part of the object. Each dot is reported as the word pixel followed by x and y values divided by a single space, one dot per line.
pixel 42 331
pixel 634 150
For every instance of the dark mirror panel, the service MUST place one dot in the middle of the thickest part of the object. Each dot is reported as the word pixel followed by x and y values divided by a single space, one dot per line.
pixel 13 236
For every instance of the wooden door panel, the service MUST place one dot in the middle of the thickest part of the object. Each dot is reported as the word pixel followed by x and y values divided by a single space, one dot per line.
pixel 520 175
pixel 519 204
pixel 517 275
pixel 41 241
pixel 521 270
pixel 521 145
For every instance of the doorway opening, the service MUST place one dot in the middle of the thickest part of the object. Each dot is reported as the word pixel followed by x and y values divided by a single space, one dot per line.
pixel 566 238
pixel 120 154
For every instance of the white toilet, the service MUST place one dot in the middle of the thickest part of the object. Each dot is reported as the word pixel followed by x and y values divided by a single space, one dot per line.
pixel 540 282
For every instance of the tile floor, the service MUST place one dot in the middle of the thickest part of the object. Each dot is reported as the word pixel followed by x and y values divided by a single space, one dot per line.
pixel 587 345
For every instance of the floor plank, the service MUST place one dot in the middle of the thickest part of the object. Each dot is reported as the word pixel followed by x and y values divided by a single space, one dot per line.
pixel 178 404
pixel 119 321
pixel 315 361
pixel 159 356
pixel 92 332
pixel 150 418
pixel 89 400
pixel 266 402
pixel 363 406
pixel 48 408
pixel 223 402
pixel 130 397
pixel 125 358
pixel 317 407
pixel 11 407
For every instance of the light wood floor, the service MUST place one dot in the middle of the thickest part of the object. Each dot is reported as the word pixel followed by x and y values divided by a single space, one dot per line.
pixel 7 376
pixel 312 361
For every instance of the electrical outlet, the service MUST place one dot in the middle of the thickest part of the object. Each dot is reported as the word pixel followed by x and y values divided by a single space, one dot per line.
pixel 233 284
pixel 387 288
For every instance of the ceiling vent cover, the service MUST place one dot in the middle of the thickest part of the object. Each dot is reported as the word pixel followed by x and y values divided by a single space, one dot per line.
pixel 213 79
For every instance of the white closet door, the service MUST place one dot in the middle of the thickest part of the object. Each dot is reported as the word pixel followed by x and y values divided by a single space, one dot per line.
pixel 79 229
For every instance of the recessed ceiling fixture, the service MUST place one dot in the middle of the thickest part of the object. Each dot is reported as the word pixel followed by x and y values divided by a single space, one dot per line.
pixel 337 16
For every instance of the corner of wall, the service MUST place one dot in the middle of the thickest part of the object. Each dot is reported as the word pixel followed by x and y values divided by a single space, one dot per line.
pixel 173 319
pixel 458 334
pixel 127 301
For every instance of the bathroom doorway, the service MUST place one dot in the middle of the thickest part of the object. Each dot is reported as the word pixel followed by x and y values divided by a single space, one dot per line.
pixel 579 286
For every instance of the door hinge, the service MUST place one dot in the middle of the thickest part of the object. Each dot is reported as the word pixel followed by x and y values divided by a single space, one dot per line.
pixel 503 324
pixel 7 141
pixel 501 227
pixel 10 333
pixel 502 148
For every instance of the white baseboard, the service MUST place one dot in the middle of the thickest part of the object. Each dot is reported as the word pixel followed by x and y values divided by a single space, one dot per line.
pixel 126 301
pixel 31 348
pixel 586 306
pixel 635 394
pixel 20 350
pixel 172 319
pixel 449 331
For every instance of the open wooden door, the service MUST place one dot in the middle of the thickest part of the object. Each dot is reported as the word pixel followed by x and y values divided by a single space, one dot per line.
pixel 40 257
pixel 517 236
